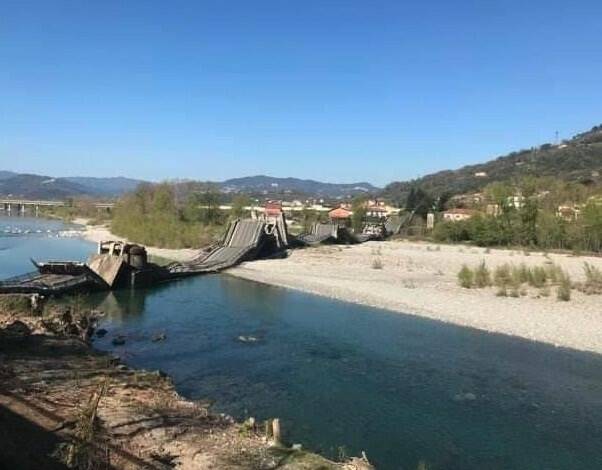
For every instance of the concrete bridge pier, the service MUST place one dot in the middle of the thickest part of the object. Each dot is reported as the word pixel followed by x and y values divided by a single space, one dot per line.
pixel 9 208
pixel 37 210
pixel 22 209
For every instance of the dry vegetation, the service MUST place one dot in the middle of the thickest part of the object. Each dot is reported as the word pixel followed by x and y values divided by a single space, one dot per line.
pixel 514 280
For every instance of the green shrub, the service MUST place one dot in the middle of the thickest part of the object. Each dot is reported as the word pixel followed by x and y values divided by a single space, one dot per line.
pixel 593 279
pixel 466 277
pixel 554 272
pixel 563 291
pixel 502 276
pixel 538 276
pixel 15 304
pixel 482 277
pixel 520 274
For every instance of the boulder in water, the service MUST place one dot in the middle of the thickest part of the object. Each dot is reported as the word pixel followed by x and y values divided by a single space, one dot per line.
pixel 159 337
pixel 468 396
pixel 18 328
pixel 247 339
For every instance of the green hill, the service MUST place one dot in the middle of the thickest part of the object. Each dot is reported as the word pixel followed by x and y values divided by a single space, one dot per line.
pixel 578 160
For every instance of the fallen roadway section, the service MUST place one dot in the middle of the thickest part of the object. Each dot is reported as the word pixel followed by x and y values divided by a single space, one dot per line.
pixel 244 240
pixel 118 264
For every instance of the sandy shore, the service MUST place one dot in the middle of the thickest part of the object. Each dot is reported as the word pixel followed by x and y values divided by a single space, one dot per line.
pixel 97 233
pixel 420 279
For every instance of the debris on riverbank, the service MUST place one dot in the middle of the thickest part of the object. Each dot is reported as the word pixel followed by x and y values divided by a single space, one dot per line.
pixel 63 404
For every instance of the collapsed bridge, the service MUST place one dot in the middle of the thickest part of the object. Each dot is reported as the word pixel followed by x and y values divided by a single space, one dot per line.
pixel 244 240
pixel 120 264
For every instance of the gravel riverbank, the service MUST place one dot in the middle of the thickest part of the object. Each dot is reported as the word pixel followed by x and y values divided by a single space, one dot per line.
pixel 421 279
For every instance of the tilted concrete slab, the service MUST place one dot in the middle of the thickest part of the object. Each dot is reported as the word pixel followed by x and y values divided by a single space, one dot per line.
pixel 107 267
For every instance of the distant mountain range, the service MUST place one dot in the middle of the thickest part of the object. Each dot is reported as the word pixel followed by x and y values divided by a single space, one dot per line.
pixel 578 159
pixel 45 187
pixel 267 184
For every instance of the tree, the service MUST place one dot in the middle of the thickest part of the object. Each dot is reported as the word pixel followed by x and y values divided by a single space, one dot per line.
pixel 528 222
pixel 419 201
pixel 193 211
pixel 592 226
pixel 499 193
pixel 358 207
pixel 203 207
pixel 308 218
pixel 239 203
pixel 163 199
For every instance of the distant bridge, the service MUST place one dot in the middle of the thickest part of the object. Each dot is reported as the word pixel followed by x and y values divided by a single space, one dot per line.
pixel 20 204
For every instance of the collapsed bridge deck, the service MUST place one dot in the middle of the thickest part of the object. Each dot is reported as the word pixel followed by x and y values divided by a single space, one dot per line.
pixel 119 264
pixel 244 240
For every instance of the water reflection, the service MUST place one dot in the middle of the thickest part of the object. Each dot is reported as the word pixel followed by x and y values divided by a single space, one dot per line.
pixel 118 305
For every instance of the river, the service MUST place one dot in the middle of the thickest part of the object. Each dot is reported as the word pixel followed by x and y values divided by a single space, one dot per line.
pixel 345 378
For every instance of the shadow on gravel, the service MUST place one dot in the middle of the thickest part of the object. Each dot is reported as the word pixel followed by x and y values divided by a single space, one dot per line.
pixel 25 445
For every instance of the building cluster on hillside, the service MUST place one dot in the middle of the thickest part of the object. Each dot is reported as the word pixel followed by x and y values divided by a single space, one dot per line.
pixel 340 211
pixel 465 206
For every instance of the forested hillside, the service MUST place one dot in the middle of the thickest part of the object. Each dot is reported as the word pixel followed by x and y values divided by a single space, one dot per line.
pixel 577 160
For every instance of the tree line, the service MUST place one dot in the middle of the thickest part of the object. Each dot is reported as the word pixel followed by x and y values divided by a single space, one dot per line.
pixel 160 215
pixel 525 213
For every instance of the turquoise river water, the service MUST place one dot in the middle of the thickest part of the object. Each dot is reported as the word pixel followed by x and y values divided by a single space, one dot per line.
pixel 345 378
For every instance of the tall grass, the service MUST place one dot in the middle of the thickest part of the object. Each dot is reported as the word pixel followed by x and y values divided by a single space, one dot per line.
pixel 593 280
pixel 377 263
pixel 563 291
pixel 466 277
pixel 513 281
pixel 482 277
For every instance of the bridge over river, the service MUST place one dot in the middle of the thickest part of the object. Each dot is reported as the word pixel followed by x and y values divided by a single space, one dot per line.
pixel 19 205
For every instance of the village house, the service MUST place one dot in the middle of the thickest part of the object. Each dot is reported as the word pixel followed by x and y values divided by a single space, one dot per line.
pixel 493 210
pixel 273 208
pixel 458 214
pixel 568 213
pixel 376 212
pixel 467 200
pixel 341 216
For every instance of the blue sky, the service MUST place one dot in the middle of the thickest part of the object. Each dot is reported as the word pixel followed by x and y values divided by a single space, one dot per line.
pixel 338 91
